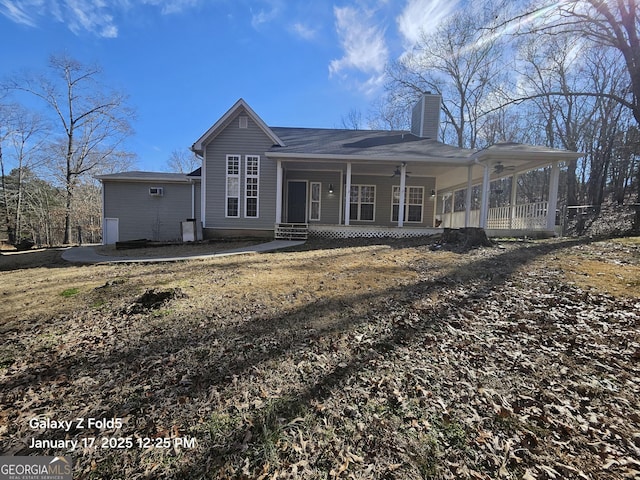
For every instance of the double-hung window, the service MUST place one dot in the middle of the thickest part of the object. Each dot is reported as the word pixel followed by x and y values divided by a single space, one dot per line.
pixel 314 207
pixel 413 202
pixel 362 201
pixel 252 174
pixel 233 186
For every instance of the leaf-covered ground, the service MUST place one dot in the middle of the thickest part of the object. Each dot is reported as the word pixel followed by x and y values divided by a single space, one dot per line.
pixel 365 361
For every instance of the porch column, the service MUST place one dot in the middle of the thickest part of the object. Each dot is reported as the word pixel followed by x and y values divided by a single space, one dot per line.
pixel 553 196
pixel 403 186
pixel 347 196
pixel 279 192
pixel 484 206
pixel 514 198
pixel 467 199
pixel 453 208
pixel 444 210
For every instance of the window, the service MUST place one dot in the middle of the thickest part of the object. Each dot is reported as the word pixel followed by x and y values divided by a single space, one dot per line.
pixel 362 202
pixel 252 173
pixel 413 200
pixel 233 186
pixel 314 207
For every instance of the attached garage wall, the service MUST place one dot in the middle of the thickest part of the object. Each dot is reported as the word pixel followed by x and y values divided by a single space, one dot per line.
pixel 141 215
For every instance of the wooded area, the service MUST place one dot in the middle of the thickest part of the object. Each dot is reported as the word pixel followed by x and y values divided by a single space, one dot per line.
pixel 564 75
pixel 50 154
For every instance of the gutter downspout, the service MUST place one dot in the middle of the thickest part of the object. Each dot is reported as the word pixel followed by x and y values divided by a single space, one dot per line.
pixel 104 215
pixel 193 198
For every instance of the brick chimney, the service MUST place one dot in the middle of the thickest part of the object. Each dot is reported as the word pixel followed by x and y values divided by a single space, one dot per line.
pixel 425 116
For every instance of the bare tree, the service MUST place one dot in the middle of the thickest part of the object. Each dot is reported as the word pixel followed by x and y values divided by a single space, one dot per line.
pixel 460 61
pixel 611 24
pixel 352 120
pixel 92 120
pixel 28 136
pixel 183 161
pixel 389 113
pixel 607 24
pixel 4 134
pixel 564 64
pixel 627 160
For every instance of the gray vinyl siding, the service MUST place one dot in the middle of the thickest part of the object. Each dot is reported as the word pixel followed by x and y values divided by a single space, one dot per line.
pixel 239 141
pixel 329 203
pixel 383 206
pixel 143 216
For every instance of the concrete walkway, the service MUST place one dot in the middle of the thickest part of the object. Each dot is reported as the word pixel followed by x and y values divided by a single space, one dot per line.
pixel 88 254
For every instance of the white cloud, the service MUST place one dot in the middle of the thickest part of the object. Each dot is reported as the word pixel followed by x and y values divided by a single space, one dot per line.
pixel 93 16
pixel 19 11
pixel 304 31
pixel 266 15
pixel 421 16
pixel 168 7
pixel 363 42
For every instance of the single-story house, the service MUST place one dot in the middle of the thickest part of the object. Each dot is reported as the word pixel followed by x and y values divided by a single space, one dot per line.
pixel 288 182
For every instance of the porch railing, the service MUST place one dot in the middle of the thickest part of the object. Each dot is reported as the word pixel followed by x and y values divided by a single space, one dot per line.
pixel 529 216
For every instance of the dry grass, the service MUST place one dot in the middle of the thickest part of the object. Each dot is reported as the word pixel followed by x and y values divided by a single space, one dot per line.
pixel 384 360
pixel 612 266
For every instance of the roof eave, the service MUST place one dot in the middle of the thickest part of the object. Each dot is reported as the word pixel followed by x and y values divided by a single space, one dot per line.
pixel 549 155
pixel 460 161
pixel 151 179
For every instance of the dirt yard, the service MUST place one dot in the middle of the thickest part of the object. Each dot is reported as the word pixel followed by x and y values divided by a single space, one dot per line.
pixel 390 360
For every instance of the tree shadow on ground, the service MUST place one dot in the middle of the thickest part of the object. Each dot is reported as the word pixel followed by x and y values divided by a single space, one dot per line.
pixel 295 329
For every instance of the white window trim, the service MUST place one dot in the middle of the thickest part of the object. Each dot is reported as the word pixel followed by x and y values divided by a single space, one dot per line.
pixel 406 203
pixel 257 177
pixel 312 201
pixel 226 186
pixel 359 203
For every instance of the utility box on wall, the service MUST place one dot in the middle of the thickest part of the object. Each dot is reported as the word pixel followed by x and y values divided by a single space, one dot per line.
pixel 189 232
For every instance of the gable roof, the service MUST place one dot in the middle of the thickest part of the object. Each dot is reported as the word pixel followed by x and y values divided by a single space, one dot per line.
pixel 217 127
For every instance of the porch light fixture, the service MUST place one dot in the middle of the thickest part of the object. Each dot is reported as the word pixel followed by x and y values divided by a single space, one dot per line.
pixel 433 193
pixel 331 188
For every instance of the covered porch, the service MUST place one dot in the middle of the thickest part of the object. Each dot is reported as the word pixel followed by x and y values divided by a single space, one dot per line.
pixel 354 199
pixel 409 196
pixel 511 217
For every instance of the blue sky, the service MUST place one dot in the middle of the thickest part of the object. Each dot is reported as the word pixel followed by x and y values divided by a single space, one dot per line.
pixel 183 63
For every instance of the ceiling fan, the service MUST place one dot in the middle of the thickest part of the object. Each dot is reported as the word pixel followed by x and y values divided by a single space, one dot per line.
pixel 397 172
pixel 499 168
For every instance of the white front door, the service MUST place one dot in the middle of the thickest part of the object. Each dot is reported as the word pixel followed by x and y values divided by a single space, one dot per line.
pixel 110 233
